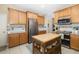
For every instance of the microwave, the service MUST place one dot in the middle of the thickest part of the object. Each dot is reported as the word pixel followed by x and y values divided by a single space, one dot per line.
pixel 64 21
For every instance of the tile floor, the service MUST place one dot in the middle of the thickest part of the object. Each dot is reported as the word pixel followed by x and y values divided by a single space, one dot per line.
pixel 27 49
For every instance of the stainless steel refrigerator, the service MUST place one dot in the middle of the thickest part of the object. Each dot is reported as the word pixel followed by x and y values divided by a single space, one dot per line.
pixel 32 28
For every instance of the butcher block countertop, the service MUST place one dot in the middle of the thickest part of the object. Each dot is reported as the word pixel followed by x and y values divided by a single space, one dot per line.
pixel 46 37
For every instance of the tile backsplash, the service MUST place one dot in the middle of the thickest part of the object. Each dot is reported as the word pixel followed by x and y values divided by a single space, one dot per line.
pixel 16 27
pixel 71 27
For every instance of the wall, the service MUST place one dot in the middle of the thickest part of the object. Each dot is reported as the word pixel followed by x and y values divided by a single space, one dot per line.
pixel 3 25
pixel 49 23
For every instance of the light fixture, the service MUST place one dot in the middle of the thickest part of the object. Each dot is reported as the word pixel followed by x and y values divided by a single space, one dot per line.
pixel 43 5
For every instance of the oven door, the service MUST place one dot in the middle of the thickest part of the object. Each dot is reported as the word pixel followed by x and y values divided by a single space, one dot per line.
pixel 67 36
pixel 66 40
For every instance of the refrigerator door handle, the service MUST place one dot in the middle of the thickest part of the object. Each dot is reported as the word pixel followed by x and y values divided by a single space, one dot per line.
pixel 29 30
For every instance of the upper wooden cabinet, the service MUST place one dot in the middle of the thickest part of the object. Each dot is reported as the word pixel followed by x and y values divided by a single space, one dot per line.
pixel 13 16
pixel 63 13
pixel 60 13
pixel 56 16
pixel 31 15
pixel 17 17
pixel 72 12
pixel 22 18
pixel 40 19
pixel 66 12
pixel 75 14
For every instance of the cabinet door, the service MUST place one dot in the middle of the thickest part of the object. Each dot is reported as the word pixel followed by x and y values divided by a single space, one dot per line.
pixel 68 11
pixel 60 13
pixel 75 14
pixel 56 17
pixel 22 18
pixel 31 15
pixel 74 42
pixel 13 40
pixel 65 12
pixel 40 20
pixel 23 38
pixel 13 16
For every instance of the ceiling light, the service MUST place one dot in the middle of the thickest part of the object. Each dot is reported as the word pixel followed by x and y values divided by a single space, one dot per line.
pixel 43 6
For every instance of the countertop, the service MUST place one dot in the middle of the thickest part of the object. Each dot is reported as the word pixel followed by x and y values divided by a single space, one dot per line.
pixel 46 37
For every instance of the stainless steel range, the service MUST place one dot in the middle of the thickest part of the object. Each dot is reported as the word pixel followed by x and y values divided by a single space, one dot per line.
pixel 65 36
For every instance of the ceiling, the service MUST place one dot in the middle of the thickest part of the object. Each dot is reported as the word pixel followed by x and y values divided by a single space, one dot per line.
pixel 42 9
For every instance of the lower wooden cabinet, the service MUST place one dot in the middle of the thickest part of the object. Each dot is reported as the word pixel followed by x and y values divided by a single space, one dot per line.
pixel 74 43
pixel 23 38
pixel 15 39
pixel 42 32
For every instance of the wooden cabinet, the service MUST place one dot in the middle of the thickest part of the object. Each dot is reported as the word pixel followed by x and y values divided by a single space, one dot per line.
pixel 13 40
pixel 23 38
pixel 56 17
pixel 16 17
pixel 13 16
pixel 62 13
pixel 40 19
pixel 74 42
pixel 72 12
pixel 42 32
pixel 47 44
pixel 31 15
pixel 75 14
pixel 22 18
pixel 68 11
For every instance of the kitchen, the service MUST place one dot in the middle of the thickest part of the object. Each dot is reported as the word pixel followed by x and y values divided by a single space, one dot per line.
pixel 24 26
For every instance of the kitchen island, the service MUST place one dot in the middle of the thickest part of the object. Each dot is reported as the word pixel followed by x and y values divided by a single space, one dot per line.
pixel 49 43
